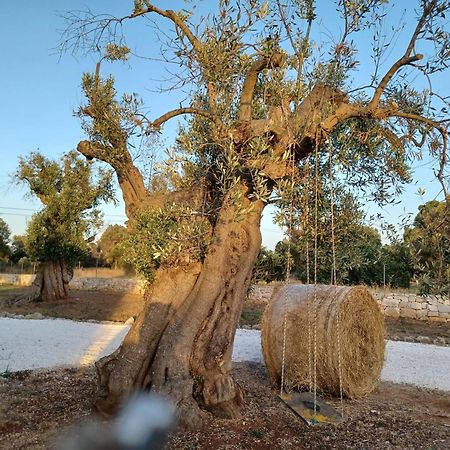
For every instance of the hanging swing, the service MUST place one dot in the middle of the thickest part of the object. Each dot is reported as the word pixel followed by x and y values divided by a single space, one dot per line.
pixel 322 338
pixel 308 405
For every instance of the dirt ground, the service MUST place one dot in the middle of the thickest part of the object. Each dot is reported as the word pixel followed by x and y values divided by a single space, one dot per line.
pixel 37 407
pixel 81 305
pixel 120 306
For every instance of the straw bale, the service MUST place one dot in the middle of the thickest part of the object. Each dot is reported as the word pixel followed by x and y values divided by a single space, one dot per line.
pixel 342 326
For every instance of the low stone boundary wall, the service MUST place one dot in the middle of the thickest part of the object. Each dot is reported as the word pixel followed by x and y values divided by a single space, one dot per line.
pixel 78 283
pixel 431 308
pixel 16 279
pixel 107 284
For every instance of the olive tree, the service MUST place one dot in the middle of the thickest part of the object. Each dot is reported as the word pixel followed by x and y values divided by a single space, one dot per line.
pixel 5 234
pixel 56 236
pixel 264 97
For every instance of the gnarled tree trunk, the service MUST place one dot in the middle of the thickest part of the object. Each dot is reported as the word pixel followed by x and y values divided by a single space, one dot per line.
pixel 182 341
pixel 50 283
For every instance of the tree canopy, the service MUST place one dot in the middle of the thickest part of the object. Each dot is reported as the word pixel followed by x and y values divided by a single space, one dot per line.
pixel 71 194
pixel 428 240
pixel 252 73
pixel 268 106
pixel 4 239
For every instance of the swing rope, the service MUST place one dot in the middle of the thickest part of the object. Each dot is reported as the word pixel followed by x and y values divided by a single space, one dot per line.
pixel 312 315
pixel 308 277
pixel 287 276
pixel 334 278
pixel 316 221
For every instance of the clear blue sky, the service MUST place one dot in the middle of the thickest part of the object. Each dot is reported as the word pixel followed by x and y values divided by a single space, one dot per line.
pixel 39 92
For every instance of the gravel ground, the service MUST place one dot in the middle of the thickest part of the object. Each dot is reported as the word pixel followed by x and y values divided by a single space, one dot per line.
pixel 46 343
pixel 34 344
pixel 419 364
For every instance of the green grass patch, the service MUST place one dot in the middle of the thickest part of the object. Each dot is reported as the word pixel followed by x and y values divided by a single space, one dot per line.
pixel 5 287
pixel 251 315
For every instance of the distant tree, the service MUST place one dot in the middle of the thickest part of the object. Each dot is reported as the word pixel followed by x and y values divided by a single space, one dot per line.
pixel 270 265
pixel 109 247
pixel 17 249
pixel 364 257
pixel 5 233
pixel 339 224
pixel 56 236
pixel 397 265
pixel 428 240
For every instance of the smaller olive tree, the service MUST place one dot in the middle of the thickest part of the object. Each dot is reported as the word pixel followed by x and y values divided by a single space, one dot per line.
pixel 5 233
pixel 17 249
pixel 57 235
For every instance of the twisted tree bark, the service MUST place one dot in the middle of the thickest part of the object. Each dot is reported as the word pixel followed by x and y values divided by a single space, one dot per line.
pixel 51 283
pixel 181 343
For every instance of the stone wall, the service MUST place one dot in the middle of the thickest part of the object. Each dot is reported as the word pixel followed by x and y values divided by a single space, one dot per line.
pixel 107 284
pixel 16 279
pixel 78 283
pixel 395 305
pixel 432 308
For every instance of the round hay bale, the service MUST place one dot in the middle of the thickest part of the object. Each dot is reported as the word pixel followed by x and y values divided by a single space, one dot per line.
pixel 315 324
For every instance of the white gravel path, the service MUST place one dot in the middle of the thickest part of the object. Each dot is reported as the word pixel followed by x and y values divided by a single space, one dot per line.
pixel 33 344
pixel 420 364
pixel 38 344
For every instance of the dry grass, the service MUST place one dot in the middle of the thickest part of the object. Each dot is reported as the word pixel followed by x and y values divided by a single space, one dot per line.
pixel 36 408
pixel 80 305
pixel 343 326
pixel 102 272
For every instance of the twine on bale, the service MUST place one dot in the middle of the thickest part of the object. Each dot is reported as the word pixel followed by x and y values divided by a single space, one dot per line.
pixel 361 338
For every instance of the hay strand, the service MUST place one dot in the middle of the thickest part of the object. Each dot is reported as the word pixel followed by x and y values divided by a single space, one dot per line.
pixel 361 338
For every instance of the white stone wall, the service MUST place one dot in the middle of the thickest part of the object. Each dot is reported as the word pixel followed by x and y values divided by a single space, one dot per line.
pixel 78 283
pixel 16 279
pixel 107 284
pixel 431 308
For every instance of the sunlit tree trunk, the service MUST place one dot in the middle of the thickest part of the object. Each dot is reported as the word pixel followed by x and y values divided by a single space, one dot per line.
pixel 51 283
pixel 181 343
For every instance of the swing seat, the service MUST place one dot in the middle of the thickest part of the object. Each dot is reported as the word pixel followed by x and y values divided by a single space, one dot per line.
pixel 302 403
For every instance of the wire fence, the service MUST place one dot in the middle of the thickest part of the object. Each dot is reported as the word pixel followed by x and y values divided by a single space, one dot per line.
pixel 27 268
pixel 96 271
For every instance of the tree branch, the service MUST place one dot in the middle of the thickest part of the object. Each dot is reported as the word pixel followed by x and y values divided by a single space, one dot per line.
pixel 248 88
pixel 418 118
pixel 197 45
pixel 406 58
pixel 175 18
pixel 135 195
pixel 156 124
pixel 128 175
